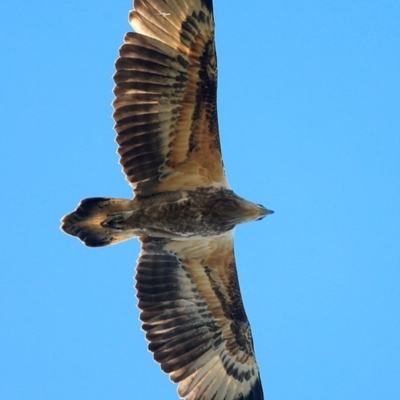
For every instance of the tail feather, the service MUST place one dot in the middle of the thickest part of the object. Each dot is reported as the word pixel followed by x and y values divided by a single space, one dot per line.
pixel 86 221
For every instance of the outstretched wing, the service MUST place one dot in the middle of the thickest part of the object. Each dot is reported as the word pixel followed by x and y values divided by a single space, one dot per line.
pixel 165 105
pixel 194 318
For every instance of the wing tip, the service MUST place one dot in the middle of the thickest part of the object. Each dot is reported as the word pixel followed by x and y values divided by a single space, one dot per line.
pixel 209 5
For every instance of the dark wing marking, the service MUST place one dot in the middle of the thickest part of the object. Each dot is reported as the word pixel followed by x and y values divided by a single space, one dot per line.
pixel 194 318
pixel 165 105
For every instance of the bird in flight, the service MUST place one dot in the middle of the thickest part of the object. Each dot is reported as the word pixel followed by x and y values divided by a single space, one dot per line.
pixel 183 211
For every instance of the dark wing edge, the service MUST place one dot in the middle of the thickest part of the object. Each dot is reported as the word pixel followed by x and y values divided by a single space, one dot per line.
pixel 194 319
pixel 165 105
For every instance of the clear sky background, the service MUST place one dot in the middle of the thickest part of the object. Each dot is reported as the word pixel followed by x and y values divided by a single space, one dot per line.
pixel 309 110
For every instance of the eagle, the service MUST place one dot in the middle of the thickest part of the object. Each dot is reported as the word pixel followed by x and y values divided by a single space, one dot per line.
pixel 183 211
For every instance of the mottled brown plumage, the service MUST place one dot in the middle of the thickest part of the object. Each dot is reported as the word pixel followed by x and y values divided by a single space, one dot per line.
pixel 183 211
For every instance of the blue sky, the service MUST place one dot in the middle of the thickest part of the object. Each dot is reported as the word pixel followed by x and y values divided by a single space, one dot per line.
pixel 309 117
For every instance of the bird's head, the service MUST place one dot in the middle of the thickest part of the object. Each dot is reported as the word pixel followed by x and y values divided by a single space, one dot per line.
pixel 253 211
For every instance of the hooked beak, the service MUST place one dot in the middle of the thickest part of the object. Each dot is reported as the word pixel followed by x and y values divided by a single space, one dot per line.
pixel 264 212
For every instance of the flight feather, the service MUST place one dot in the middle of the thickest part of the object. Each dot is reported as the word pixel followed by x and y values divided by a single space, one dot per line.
pixel 166 98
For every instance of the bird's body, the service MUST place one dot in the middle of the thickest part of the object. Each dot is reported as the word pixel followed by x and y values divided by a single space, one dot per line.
pixel 204 212
pixel 184 211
